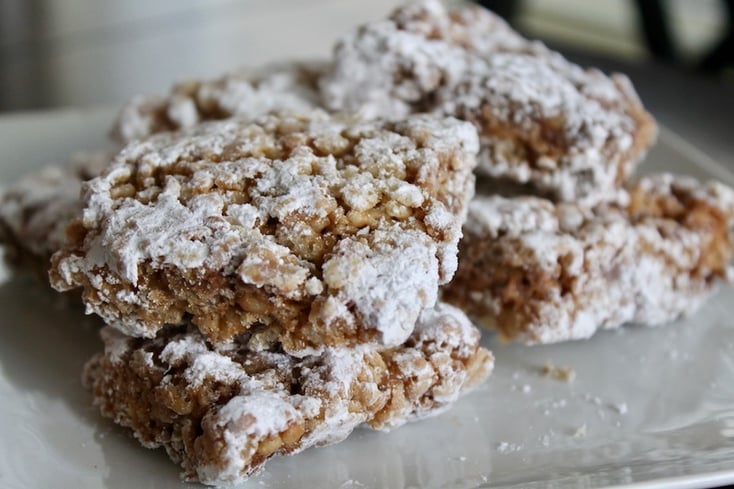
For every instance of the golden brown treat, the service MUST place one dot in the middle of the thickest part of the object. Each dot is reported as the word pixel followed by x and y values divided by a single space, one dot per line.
pixel 574 134
pixel 36 210
pixel 222 412
pixel 245 93
pixel 543 273
pixel 317 230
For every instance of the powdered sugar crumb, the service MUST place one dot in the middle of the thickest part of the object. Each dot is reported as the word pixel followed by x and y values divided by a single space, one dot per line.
pixel 507 447
pixel 621 408
pixel 580 432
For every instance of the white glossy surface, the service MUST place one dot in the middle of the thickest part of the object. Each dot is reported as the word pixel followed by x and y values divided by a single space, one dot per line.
pixel 657 404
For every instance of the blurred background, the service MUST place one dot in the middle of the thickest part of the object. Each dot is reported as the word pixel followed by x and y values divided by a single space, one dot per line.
pixel 83 52
pixel 80 53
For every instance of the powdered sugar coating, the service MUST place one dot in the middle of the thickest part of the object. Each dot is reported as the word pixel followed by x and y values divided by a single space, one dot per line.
pixel 410 61
pixel 330 231
pixel 223 411
pixel 245 93
pixel 36 210
pixel 543 273
pixel 573 133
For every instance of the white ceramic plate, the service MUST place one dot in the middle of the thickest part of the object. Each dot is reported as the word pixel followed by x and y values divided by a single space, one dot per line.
pixel 651 407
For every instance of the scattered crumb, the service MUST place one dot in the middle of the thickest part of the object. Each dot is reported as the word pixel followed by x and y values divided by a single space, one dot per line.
pixel 526 389
pixel 545 441
pixel 350 483
pixel 565 374
pixel 551 403
pixel 462 459
pixel 621 408
pixel 580 431
pixel 505 447
pixel 593 399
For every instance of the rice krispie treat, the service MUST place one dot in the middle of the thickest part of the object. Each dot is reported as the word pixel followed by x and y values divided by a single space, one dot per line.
pixel 544 273
pixel 247 93
pixel 571 133
pixel 36 210
pixel 315 230
pixel 222 411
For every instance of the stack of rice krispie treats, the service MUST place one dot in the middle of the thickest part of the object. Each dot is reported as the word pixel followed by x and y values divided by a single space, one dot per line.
pixel 278 254
pixel 560 241
pixel 269 283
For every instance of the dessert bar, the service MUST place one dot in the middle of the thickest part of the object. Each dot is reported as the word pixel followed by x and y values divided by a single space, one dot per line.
pixel 222 411
pixel 570 133
pixel 244 93
pixel 317 230
pixel 36 210
pixel 543 272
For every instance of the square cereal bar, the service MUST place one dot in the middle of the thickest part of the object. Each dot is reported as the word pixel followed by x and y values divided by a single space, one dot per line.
pixel 36 210
pixel 543 272
pixel 222 411
pixel 570 133
pixel 244 93
pixel 319 231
